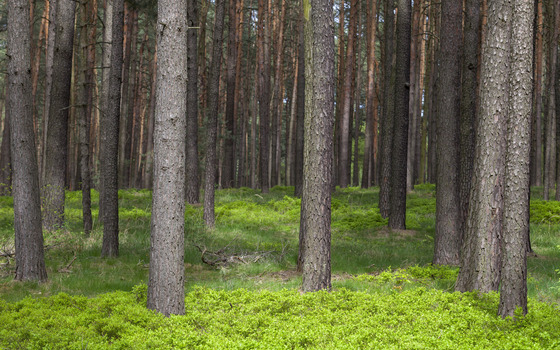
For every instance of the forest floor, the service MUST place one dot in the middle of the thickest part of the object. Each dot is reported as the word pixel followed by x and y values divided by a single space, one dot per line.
pixel 254 247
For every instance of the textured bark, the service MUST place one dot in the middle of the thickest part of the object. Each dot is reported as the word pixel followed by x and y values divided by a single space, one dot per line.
pixel 550 138
pixel 105 81
pixel 388 113
pixel 300 114
pixel 57 135
pixel 370 96
pixel 481 253
pixel 536 131
pixel 397 215
pixel 516 195
pixel 212 117
pixel 319 108
pixel 228 176
pixel 448 214
pixel 192 192
pixel 344 129
pixel 85 100
pixel 110 139
pixel 469 86
pixel 166 288
pixel 6 157
pixel 263 82
pixel 30 261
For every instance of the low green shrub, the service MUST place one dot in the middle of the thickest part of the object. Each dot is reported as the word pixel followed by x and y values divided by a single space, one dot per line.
pixel 418 318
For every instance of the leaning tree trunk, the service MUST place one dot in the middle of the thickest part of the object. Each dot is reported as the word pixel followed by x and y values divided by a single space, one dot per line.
pixel 397 215
pixel 319 117
pixel 30 260
pixel 54 183
pixel 212 119
pixel 110 139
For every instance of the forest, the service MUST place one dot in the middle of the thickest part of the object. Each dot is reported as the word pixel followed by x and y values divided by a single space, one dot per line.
pixel 279 174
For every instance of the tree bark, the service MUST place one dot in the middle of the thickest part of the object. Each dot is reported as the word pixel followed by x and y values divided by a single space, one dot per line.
pixel 536 132
pixel 212 118
pixel 316 214
pixel 57 135
pixel 30 260
pixel 192 191
pixel 481 253
pixel 388 113
pixel 397 216
pixel 110 139
pixel 516 195
pixel 300 115
pixel 264 93
pixel 370 95
pixel 166 288
pixel 448 214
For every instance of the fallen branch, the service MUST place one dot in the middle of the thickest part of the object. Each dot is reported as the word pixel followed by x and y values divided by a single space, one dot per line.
pixel 221 258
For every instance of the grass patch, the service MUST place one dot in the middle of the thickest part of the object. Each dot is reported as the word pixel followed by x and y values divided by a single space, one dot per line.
pixel 374 269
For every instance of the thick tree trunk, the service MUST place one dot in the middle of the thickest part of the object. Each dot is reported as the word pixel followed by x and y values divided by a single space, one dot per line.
pixel 166 286
pixel 516 195
pixel 212 118
pixel 57 135
pixel 397 215
pixel 30 260
pixel 316 213
pixel 191 165
pixel 110 139
pixel 481 253
pixel 388 113
pixel 448 214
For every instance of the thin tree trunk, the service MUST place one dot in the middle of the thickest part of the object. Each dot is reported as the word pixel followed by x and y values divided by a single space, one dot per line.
pixel 536 132
pixel 192 192
pixel 110 139
pixel 397 216
pixel 370 95
pixel 300 114
pixel 264 93
pixel 5 154
pixel 212 118
pixel 388 113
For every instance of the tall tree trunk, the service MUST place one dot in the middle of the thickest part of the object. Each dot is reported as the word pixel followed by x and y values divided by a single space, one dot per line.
pixel 229 149
pixel 536 131
pixel 238 110
pixel 397 216
pixel 30 260
pixel 448 214
pixel 388 113
pixel 166 286
pixel 300 114
pixel 357 108
pixel 344 152
pixel 105 75
pixel 469 87
pixel 148 169
pixel 263 33
pixel 57 135
pixel 370 95
pixel 516 195
pixel 291 127
pixel 481 253
pixel 550 147
pixel 212 118
pixel 319 54
pixel 192 191
pixel 110 139
pixel 413 122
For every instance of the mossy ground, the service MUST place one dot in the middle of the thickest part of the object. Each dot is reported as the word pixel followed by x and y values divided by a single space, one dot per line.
pixel 367 258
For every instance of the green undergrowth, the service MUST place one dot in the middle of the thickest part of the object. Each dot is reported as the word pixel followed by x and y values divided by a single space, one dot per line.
pixel 418 318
